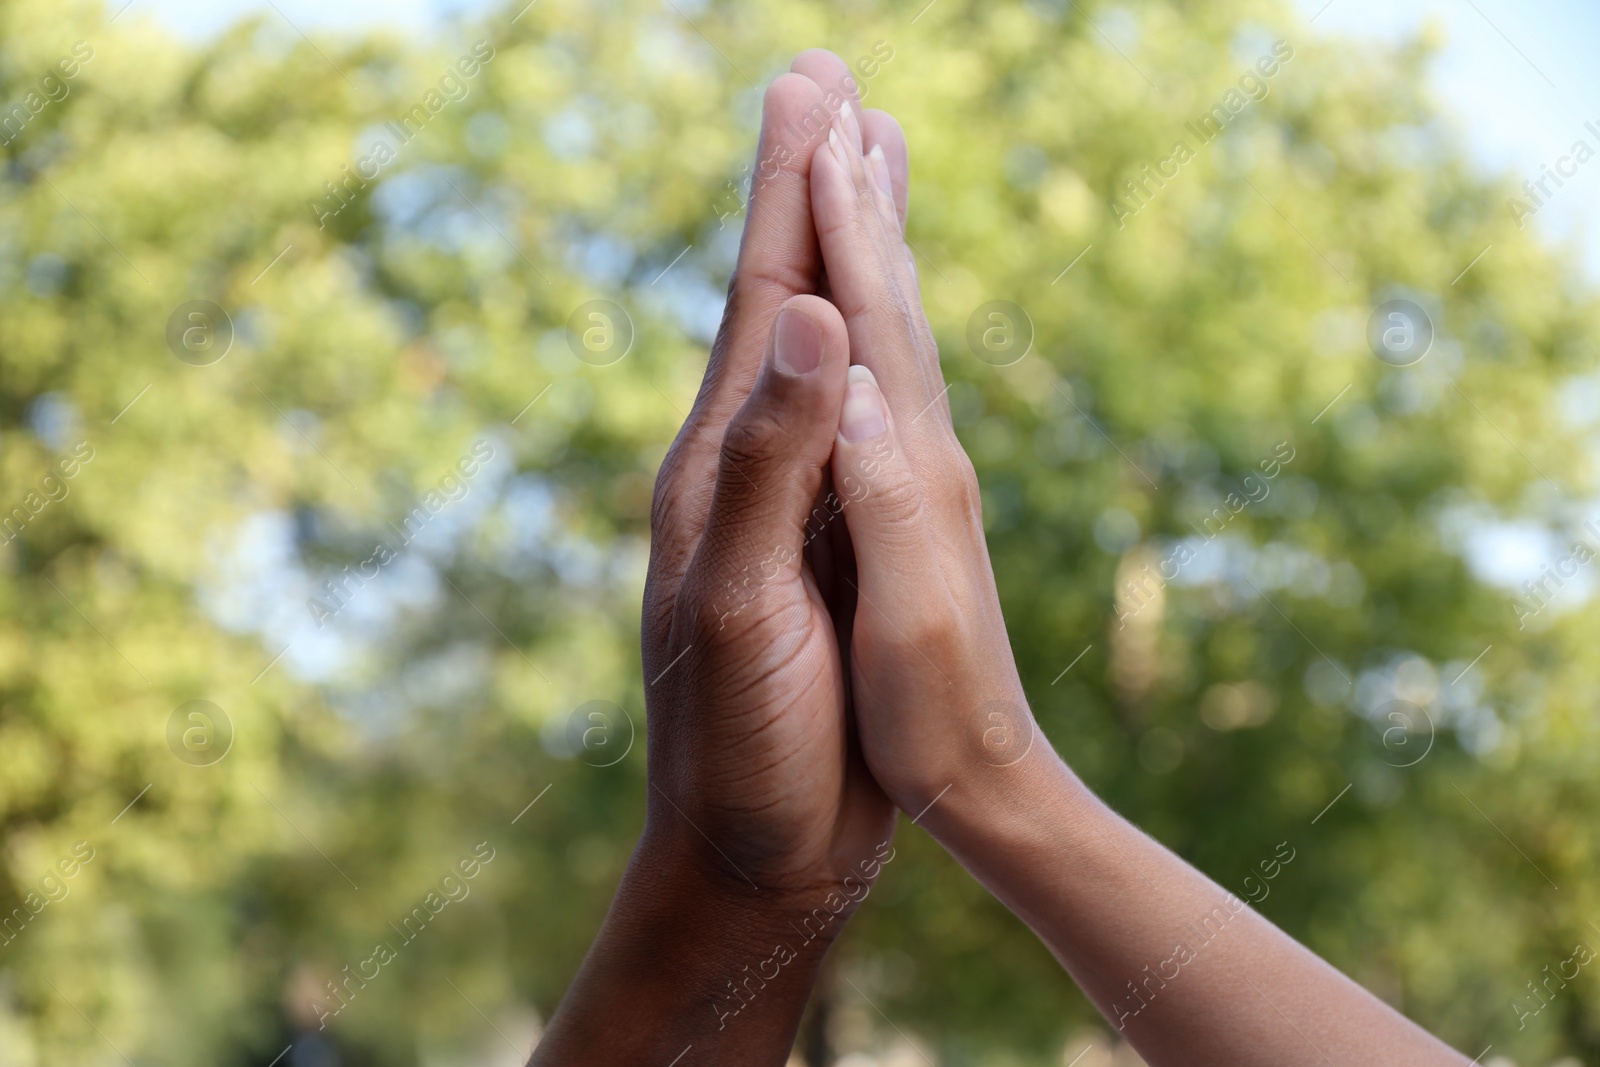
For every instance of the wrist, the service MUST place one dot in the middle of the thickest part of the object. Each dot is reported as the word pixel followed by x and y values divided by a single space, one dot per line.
pixel 671 878
pixel 690 956
pixel 1001 821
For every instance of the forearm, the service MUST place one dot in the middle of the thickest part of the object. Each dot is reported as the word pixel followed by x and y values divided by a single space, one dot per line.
pixel 688 963
pixel 1183 969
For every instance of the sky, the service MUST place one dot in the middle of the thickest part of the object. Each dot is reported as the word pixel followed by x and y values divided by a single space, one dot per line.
pixel 1517 75
pixel 1520 80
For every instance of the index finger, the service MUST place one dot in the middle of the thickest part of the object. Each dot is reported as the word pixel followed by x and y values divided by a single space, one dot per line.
pixel 778 259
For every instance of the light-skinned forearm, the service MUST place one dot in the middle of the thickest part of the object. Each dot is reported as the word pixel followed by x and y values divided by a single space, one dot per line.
pixel 1182 968
pixel 1185 970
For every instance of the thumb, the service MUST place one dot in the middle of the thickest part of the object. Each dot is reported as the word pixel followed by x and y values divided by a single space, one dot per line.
pixel 775 450
pixel 896 561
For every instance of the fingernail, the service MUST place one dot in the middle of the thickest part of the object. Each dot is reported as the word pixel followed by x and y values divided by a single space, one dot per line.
pixel 797 343
pixel 852 127
pixel 862 418
pixel 880 171
pixel 836 147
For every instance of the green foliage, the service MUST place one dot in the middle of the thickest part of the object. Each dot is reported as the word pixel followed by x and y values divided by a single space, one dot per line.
pixel 421 718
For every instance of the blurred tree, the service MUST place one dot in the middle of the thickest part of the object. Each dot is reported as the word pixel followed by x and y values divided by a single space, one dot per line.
pixel 395 531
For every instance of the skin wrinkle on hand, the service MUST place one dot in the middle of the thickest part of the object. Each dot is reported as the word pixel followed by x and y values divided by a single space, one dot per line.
pixel 734 728
pixel 768 694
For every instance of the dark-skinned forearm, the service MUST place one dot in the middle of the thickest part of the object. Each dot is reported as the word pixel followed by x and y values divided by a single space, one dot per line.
pixel 691 962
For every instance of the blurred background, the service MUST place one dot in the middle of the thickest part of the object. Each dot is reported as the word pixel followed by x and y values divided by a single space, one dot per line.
pixel 324 494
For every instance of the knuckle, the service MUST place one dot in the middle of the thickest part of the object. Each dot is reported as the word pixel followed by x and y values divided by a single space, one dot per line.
pixel 666 500
pixel 751 440
pixel 897 498
pixel 760 281
pixel 837 222
pixel 891 306
pixel 962 493
pixel 700 604
pixel 725 594
pixel 935 635
pixel 658 609
pixel 662 496
pixel 663 511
